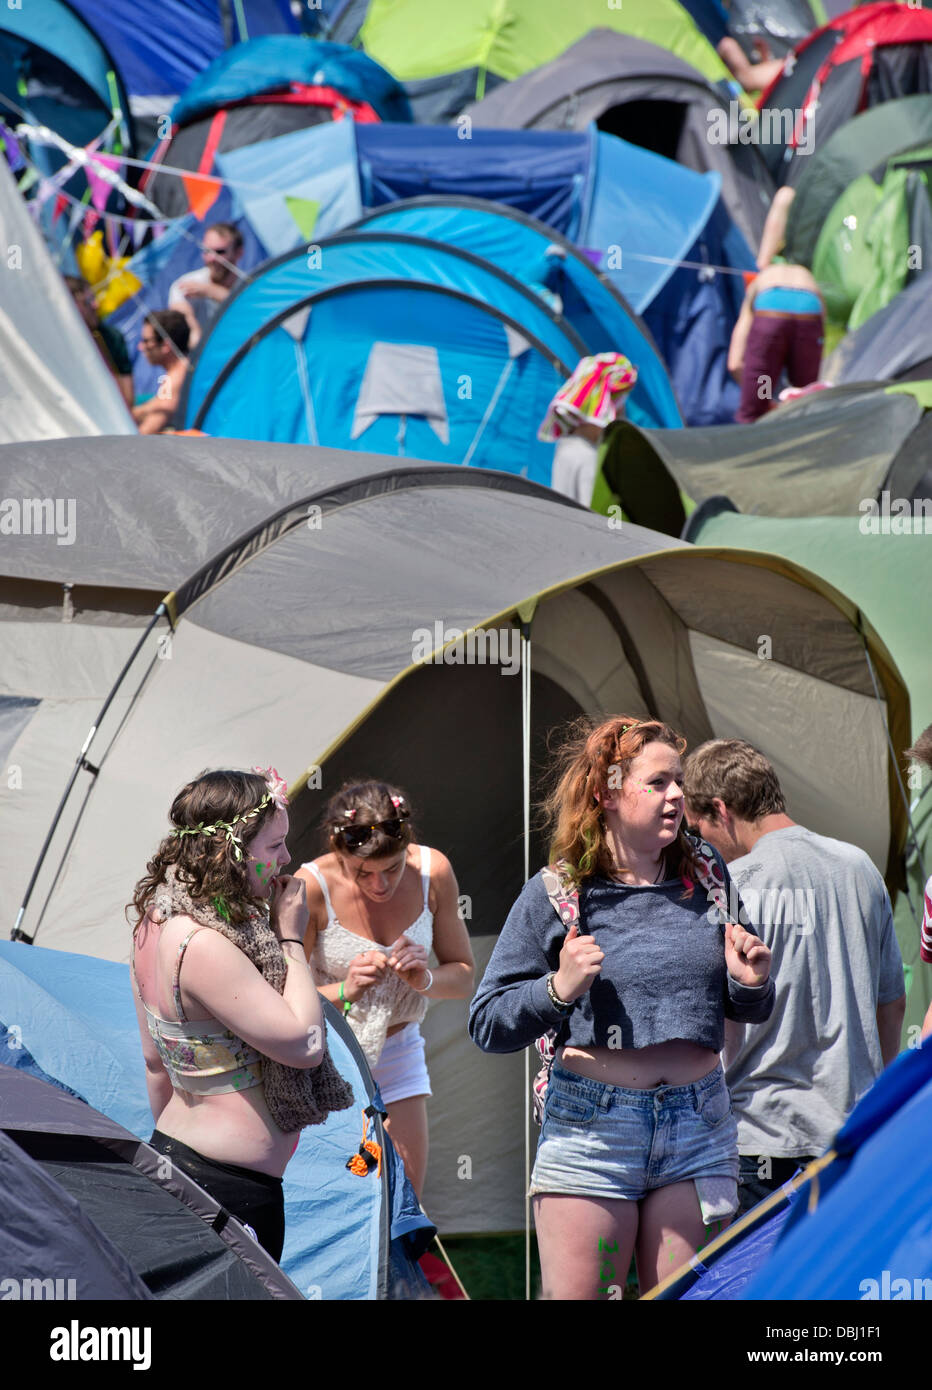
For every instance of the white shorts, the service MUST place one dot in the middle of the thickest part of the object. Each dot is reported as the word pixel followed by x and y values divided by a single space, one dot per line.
pixel 401 1070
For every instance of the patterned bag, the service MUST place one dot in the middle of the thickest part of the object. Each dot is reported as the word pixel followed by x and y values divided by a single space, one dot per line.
pixel 565 900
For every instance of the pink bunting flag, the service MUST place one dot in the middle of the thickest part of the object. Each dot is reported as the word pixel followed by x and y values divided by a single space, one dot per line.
pixel 100 188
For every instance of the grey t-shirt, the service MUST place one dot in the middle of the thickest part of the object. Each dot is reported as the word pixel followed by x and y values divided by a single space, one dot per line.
pixel 823 909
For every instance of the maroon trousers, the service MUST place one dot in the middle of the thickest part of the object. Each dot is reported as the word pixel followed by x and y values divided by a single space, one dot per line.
pixel 775 342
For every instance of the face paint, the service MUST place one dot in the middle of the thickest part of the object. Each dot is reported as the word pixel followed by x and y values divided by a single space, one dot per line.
pixel 264 871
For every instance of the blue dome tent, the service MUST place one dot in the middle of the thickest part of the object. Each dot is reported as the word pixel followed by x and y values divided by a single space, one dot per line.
pixel 550 264
pixel 441 355
pixel 346 1237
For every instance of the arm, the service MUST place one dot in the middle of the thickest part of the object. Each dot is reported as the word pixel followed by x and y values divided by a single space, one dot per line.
pixel 773 237
pixel 287 1027
pixel 125 383
pixel 742 328
pixel 753 77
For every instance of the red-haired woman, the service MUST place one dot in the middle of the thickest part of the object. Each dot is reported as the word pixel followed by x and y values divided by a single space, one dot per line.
pixel 378 902
pixel 231 1022
pixel 638 1146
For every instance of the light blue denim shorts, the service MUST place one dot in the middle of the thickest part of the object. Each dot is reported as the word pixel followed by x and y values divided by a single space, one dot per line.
pixel 609 1141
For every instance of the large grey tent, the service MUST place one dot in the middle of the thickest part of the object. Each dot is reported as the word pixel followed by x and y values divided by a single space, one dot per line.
pixel 648 96
pixel 324 641
pixel 53 381
pixel 819 455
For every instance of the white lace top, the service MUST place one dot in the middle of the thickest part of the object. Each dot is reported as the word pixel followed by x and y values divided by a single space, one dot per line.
pixel 388 1002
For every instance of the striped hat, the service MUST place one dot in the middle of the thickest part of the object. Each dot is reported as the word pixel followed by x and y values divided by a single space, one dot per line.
pixel 590 396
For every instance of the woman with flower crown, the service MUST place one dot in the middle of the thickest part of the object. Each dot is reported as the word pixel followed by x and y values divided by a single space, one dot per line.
pixel 231 1022
pixel 377 903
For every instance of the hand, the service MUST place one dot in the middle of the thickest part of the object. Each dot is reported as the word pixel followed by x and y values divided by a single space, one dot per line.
pixel 192 289
pixel 746 957
pixel 580 963
pixel 364 971
pixel 410 961
pixel 288 907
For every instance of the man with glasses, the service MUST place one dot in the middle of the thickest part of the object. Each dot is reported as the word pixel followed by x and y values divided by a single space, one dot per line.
pixel 199 294
pixel 164 344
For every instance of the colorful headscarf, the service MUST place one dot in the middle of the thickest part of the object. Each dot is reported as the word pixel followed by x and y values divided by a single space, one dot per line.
pixel 590 395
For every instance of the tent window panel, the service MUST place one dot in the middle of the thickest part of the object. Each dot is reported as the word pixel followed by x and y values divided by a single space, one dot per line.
pixel 15 713
pixel 827 744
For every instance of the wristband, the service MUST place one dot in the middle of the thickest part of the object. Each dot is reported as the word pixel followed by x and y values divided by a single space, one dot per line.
pixel 555 999
pixel 347 1003
pixel 430 981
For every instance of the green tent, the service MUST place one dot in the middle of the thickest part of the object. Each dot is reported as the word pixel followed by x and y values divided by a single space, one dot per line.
pixel 864 144
pixel 479 41
pixel 820 455
pixel 887 577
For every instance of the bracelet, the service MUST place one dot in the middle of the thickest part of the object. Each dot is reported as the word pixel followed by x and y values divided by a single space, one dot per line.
pixel 430 981
pixel 295 940
pixel 555 999
pixel 347 1003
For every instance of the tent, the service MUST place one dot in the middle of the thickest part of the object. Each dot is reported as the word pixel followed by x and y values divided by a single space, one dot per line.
pixel 875 563
pixel 346 1237
pixel 782 24
pixel 658 231
pixel 149 1232
pixel 256 91
pixel 372 677
pixel 864 57
pixel 860 1230
pixel 647 95
pixel 55 381
pixel 58 71
pixel 480 326
pixel 863 145
pixel 159 63
pixel 481 44
pixel 893 345
pixel 551 265
pixel 819 455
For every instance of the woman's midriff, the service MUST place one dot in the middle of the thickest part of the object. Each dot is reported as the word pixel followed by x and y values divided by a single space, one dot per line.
pixel 232 1128
pixel 675 1063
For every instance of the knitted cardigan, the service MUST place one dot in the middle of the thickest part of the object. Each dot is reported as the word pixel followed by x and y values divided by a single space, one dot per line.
pixel 296 1096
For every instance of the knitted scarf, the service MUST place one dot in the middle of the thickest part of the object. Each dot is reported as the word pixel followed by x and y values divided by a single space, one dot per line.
pixel 296 1096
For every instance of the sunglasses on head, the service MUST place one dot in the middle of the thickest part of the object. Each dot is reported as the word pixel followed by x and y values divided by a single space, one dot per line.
pixel 354 836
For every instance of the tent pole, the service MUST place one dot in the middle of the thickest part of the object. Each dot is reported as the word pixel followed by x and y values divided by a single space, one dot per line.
pixel 526 798
pixel 81 762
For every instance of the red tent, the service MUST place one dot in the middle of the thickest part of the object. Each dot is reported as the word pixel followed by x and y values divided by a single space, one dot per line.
pixel 864 57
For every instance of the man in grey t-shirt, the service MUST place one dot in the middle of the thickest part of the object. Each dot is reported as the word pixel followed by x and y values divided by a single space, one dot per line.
pixel 822 908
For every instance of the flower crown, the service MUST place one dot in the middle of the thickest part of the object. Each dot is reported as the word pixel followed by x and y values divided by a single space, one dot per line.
pixel 277 794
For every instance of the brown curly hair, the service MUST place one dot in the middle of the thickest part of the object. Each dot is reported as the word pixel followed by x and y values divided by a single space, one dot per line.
pixel 591 759
pixel 372 802
pixel 206 863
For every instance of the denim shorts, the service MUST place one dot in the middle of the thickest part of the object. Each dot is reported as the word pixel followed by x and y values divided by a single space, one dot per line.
pixel 609 1141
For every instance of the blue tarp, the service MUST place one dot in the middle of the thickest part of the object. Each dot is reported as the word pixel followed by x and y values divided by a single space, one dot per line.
pixel 75 1015
pixel 870 1236
pixel 267 64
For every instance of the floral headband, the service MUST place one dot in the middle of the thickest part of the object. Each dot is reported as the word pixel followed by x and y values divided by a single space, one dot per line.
pixel 277 794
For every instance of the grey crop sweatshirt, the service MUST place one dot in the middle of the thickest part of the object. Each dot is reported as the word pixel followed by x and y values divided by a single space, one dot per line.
pixel 663 976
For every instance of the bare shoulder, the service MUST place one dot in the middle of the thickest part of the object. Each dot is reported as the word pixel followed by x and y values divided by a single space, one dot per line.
pixel 314 893
pixel 441 870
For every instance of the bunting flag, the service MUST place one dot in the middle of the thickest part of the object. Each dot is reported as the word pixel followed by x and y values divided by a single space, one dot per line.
pixel 61 202
pixel 202 193
pixel 304 212
pixel 100 185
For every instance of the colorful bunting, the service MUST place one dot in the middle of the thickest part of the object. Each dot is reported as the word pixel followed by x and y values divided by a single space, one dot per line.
pixel 202 193
pixel 304 211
